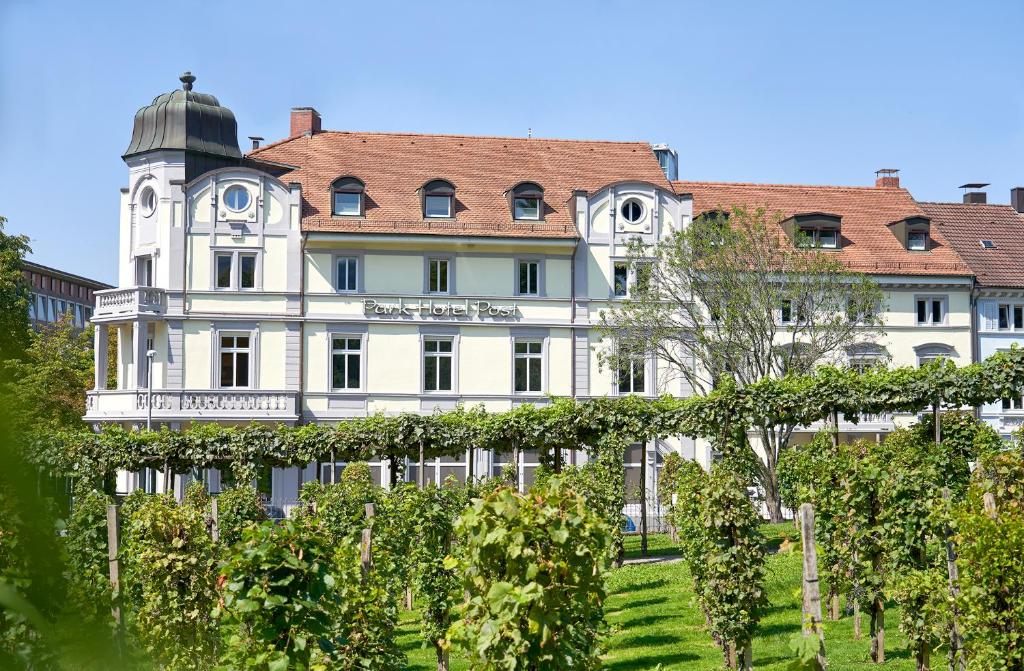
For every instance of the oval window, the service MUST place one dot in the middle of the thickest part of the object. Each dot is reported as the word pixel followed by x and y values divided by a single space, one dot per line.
pixel 148 201
pixel 632 210
pixel 236 198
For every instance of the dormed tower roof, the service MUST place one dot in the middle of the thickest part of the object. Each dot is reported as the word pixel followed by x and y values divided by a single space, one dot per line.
pixel 185 120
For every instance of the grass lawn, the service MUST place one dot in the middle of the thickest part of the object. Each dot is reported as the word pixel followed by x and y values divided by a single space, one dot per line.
pixel 654 620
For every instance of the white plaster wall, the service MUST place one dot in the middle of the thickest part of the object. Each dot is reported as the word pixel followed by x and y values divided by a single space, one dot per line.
pixel 485 276
pixel 272 355
pixel 485 360
pixel 399 274
pixel 197 341
pixel 319 272
pixel 558 278
pixel 316 376
pixel 559 362
pixel 393 359
pixel 276 264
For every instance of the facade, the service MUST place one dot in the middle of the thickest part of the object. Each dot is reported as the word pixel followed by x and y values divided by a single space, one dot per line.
pixel 883 232
pixel 55 293
pixel 990 239
pixel 334 274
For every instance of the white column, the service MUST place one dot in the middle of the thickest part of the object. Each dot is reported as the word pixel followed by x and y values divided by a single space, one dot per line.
pixel 139 353
pixel 100 344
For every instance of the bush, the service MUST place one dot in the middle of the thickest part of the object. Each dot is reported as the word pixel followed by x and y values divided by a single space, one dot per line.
pixel 196 496
pixel 238 508
pixel 89 590
pixel 534 567
pixel 170 564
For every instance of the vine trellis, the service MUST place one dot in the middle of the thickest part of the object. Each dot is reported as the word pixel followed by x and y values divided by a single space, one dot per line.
pixel 589 425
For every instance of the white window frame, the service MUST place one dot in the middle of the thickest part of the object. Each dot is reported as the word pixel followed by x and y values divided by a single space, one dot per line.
pixel 450 275
pixel 251 350
pixel 426 199
pixel 235 273
pixel 361 352
pixel 631 275
pixel 924 239
pixel 453 355
pixel 342 192
pixel 645 362
pixel 1012 310
pixel 348 258
pixel 539 288
pixel 944 309
pixel 528 356
pixel 515 208
pixel 811 237
pixel 144 265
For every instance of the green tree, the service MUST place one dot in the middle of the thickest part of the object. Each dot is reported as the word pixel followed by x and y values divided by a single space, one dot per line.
pixel 14 295
pixel 731 298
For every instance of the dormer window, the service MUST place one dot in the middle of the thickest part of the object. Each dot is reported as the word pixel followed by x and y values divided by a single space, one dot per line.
pixel 527 202
pixel 437 199
pixel 347 197
pixel 917 241
pixel 913 233
pixel 814 230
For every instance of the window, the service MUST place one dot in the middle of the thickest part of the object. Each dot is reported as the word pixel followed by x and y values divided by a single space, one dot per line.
pixel 1011 316
pixel 223 270
pixel 632 210
pixel 437 364
pixel 930 310
pixel 437 276
pixel 346 360
pixel 32 307
pixel 234 361
pixel 41 308
pixel 348 197
pixel 437 199
pixel 786 312
pixel 631 376
pixel 528 201
pixel 529 278
pixel 247 271
pixel 620 279
pixel 917 241
pixel 348 273
pixel 236 198
pixel 988 244
pixel 822 238
pixel 1016 403
pixel 528 366
pixel 933 352
pixel 147 201
pixel 144 271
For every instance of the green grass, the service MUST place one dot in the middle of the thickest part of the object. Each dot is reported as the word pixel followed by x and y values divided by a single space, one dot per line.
pixel 655 621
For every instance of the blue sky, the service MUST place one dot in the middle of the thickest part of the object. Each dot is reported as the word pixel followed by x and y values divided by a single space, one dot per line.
pixel 804 92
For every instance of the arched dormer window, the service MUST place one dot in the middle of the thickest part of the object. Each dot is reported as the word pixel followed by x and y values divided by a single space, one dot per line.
pixel 816 230
pixel 932 352
pixel 528 201
pixel 347 197
pixel 438 199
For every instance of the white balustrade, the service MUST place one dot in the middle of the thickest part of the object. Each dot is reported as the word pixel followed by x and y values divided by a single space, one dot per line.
pixel 130 301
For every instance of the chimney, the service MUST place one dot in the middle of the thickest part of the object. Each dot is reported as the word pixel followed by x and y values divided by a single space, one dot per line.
pixel 305 121
pixel 973 195
pixel 256 139
pixel 887 178
pixel 1017 198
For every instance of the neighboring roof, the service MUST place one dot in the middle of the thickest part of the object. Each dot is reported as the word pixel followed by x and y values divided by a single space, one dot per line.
pixel 95 285
pixel 965 225
pixel 394 166
pixel 184 119
pixel 868 245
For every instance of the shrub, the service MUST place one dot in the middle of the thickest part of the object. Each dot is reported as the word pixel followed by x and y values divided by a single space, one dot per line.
pixel 238 508
pixel 89 590
pixel 533 566
pixel 196 496
pixel 169 559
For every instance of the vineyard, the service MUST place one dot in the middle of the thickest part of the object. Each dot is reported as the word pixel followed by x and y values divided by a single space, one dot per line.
pixel 922 533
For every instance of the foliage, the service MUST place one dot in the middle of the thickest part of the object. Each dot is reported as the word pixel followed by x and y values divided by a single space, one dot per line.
pixel 14 296
pixel 991 561
pixel 196 496
pixel 600 482
pixel 534 567
pixel 729 298
pixel 965 439
pixel 238 508
pixel 89 591
pixel 668 476
pixel 169 557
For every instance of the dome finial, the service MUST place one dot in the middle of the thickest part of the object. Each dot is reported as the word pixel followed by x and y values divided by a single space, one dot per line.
pixel 186 80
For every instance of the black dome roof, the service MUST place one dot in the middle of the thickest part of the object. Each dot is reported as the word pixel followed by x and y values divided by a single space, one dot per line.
pixel 184 119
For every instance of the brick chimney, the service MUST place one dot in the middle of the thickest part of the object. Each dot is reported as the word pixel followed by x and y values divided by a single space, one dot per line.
pixel 887 178
pixel 1017 198
pixel 305 121
pixel 973 194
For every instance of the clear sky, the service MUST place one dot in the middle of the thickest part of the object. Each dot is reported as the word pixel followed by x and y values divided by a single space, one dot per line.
pixel 805 92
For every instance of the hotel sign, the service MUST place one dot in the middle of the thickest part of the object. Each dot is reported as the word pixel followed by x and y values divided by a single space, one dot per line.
pixel 433 308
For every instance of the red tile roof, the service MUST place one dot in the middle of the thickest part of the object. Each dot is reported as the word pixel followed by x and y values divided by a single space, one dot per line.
pixel 966 225
pixel 868 245
pixel 394 166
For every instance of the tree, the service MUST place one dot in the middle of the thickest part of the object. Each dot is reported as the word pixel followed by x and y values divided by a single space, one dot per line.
pixel 731 298
pixel 14 295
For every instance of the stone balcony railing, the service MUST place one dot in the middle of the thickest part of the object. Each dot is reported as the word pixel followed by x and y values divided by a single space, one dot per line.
pixel 866 422
pixel 183 405
pixel 114 304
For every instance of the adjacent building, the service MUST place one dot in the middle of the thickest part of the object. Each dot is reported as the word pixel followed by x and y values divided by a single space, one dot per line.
pixel 990 239
pixel 56 293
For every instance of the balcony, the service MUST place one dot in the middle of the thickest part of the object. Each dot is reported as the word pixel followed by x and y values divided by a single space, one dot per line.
pixel 199 405
pixel 866 423
pixel 125 304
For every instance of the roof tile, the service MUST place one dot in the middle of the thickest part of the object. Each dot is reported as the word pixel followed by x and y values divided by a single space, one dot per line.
pixel 965 225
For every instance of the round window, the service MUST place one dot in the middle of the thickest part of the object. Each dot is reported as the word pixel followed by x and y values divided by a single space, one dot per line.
pixel 148 201
pixel 236 198
pixel 632 210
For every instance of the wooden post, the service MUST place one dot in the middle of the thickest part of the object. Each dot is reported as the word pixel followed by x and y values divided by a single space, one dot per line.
pixel 812 590
pixel 366 545
pixel 421 474
pixel 878 632
pixel 956 640
pixel 470 464
pixel 214 521
pixel 393 471
pixel 558 459
pixel 748 658
pixel 113 563
pixel 835 428
pixel 989 499
pixel 334 470
pixel 856 619
pixel 167 477
pixel 643 499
